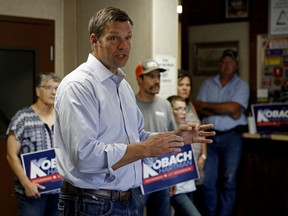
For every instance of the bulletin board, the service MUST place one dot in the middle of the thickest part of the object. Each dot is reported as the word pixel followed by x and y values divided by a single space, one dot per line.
pixel 273 66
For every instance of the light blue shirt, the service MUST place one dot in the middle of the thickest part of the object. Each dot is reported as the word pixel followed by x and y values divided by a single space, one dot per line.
pixel 235 90
pixel 96 118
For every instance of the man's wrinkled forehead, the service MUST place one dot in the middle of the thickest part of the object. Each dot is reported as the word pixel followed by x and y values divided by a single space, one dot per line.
pixel 116 27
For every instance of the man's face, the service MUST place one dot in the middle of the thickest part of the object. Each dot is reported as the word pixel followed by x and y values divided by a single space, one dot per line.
pixel 150 83
pixel 113 47
pixel 228 66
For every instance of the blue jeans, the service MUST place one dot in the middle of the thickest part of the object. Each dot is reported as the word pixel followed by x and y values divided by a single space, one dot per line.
pixel 183 205
pixel 46 205
pixel 220 173
pixel 92 205
pixel 157 203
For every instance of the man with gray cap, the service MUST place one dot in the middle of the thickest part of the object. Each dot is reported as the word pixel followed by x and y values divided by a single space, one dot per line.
pixel 158 117
pixel 222 100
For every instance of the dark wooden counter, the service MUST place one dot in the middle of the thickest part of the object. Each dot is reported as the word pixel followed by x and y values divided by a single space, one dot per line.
pixel 278 137
pixel 263 176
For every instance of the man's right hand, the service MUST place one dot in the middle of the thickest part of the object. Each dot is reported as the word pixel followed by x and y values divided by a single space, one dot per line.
pixel 163 143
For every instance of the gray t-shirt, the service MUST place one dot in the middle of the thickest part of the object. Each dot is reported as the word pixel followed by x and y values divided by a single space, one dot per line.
pixel 158 115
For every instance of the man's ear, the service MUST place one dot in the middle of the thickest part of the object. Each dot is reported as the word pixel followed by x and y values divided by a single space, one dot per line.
pixel 93 40
pixel 139 79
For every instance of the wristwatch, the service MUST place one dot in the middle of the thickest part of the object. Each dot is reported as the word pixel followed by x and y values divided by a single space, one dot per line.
pixel 203 156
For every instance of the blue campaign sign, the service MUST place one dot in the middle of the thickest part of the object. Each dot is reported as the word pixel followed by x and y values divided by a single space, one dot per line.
pixel 168 170
pixel 271 117
pixel 40 167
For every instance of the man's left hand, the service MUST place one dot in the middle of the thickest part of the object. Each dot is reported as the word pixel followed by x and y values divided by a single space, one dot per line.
pixel 195 133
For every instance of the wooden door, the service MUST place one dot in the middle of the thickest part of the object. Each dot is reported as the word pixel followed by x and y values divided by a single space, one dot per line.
pixel 28 34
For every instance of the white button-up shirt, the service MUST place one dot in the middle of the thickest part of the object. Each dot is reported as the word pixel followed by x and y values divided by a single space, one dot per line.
pixel 96 118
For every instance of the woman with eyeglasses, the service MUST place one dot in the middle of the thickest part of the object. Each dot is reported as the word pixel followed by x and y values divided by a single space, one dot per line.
pixel 31 130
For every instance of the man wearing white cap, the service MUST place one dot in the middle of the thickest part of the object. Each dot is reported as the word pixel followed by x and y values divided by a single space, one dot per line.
pixel 158 117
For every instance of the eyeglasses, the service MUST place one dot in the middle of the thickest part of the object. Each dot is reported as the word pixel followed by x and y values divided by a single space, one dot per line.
pixel 49 88
pixel 180 109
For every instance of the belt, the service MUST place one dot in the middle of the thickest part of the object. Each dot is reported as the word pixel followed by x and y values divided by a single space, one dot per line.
pixel 223 132
pixel 238 129
pixel 110 194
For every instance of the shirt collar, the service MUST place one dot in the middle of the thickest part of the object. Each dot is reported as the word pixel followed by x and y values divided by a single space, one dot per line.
pixel 217 79
pixel 102 72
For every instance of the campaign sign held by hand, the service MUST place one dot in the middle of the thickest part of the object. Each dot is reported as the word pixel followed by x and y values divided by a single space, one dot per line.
pixel 40 167
pixel 169 169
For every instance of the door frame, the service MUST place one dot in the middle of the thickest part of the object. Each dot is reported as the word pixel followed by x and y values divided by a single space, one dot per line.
pixel 23 33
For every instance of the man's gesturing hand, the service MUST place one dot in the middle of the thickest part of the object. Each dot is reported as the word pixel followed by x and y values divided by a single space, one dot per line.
pixel 195 133
pixel 163 143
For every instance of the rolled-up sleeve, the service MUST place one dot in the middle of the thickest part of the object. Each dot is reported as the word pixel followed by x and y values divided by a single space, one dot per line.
pixel 81 132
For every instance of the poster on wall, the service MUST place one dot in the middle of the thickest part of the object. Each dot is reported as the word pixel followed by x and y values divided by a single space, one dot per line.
pixel 169 77
pixel 278 17
pixel 236 9
pixel 206 56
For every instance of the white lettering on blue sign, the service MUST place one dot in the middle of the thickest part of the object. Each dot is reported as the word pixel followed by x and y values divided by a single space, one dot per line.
pixel 38 168
pixel 265 115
